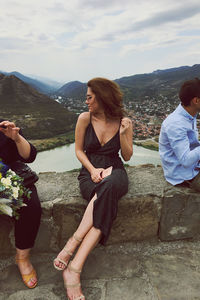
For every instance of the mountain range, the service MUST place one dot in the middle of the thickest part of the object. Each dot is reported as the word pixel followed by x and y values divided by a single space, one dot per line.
pixel 26 101
pixel 73 89
pixel 166 82
pixel 41 85
pixel 38 115
pixel 135 87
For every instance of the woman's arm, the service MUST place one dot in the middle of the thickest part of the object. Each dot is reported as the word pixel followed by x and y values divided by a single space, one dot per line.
pixel 126 138
pixel 81 126
pixel 22 145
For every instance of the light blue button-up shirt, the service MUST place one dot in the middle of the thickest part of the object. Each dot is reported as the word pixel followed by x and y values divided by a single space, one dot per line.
pixel 179 147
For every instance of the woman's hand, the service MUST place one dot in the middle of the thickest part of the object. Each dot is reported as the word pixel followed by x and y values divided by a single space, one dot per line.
pixel 126 138
pixel 106 172
pixel 10 130
pixel 96 175
pixel 125 124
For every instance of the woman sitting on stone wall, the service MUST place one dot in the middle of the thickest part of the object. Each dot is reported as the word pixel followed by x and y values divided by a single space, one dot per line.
pixel 100 134
pixel 14 147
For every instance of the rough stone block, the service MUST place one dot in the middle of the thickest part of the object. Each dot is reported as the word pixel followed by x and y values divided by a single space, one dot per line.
pixel 145 180
pixel 175 275
pixel 180 216
pixel 151 208
pixel 6 225
pixel 113 265
pixel 53 185
pixel 138 219
pixel 136 287
pixel 67 216
pixel 45 238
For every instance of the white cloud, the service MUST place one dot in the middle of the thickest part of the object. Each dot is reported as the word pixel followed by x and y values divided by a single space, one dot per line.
pixel 77 39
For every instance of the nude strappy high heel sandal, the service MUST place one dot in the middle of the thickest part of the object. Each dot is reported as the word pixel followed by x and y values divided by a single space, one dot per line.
pixel 57 259
pixel 81 297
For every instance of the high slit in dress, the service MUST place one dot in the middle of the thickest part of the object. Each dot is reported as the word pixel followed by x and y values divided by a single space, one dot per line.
pixel 111 188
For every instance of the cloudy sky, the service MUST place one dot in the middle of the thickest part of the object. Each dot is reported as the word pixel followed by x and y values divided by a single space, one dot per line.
pixel 69 40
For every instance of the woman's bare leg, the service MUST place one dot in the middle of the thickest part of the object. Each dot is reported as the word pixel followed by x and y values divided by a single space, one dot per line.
pixel 83 228
pixel 70 277
pixel 25 266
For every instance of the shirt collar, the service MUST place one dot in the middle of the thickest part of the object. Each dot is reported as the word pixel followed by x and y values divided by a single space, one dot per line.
pixel 184 112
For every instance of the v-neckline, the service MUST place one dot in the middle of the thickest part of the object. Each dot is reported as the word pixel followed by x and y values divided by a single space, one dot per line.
pixel 98 138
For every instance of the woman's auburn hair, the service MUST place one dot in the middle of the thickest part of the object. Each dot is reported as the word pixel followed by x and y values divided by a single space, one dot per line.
pixel 109 96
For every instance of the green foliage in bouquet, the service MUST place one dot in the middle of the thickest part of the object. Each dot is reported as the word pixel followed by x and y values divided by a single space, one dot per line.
pixel 12 193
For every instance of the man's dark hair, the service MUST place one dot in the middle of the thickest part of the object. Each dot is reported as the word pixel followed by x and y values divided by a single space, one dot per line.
pixel 189 90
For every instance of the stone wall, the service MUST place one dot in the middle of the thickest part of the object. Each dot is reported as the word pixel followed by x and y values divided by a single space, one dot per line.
pixel 152 209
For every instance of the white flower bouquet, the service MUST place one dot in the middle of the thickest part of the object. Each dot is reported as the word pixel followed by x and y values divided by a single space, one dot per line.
pixel 12 193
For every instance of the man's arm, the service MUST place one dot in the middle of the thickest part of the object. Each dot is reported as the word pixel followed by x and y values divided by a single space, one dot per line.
pixel 180 144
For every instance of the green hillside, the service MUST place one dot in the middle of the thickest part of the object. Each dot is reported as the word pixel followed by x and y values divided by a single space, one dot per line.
pixel 38 115
pixel 166 82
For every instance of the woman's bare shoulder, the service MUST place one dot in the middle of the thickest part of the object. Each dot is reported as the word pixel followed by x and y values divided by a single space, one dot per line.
pixel 84 118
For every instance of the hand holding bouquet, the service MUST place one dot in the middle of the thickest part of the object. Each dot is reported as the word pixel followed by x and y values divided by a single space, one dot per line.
pixel 12 193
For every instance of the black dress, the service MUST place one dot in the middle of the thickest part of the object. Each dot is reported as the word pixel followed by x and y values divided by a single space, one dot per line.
pixel 27 226
pixel 111 188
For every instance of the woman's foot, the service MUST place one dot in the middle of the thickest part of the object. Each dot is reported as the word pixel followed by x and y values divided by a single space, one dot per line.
pixel 72 283
pixel 61 261
pixel 27 271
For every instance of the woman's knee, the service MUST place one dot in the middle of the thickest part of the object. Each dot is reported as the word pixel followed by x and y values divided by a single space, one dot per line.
pixel 111 182
pixel 118 187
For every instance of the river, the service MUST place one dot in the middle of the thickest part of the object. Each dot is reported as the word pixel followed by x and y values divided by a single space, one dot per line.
pixel 63 159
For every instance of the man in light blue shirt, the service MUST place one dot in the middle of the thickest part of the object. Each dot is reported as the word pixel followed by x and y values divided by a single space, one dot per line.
pixel 179 146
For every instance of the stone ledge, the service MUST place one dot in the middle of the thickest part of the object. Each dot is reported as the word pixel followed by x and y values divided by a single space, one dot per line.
pixel 152 209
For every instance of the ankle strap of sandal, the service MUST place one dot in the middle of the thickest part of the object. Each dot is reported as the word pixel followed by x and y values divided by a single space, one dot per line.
pixel 77 238
pixel 67 251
